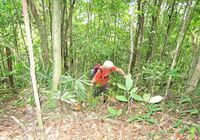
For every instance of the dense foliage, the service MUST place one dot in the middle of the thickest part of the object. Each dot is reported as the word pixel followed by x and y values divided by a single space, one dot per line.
pixel 156 41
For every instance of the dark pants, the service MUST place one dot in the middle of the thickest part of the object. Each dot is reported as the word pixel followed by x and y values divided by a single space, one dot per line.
pixel 99 90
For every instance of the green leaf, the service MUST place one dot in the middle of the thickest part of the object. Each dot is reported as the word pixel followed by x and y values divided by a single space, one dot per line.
pixel 192 132
pixel 177 124
pixel 133 91
pixel 192 111
pixel 137 97
pixel 122 98
pixel 156 109
pixel 146 97
pixel 183 130
pixel 121 87
pixel 185 100
pixel 151 120
pixel 129 82
pixel 136 117
pixel 112 111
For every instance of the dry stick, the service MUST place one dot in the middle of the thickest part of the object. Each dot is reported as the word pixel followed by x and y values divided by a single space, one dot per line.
pixel 18 122
pixel 32 67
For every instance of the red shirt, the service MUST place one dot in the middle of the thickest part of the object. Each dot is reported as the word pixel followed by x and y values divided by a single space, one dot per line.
pixel 101 77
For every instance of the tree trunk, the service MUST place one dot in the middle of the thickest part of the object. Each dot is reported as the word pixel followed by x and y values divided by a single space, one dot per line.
pixel 64 15
pixel 56 41
pixel 68 35
pixel 157 4
pixel 196 53
pixel 195 77
pixel 10 66
pixel 43 34
pixel 181 35
pixel 140 41
pixel 3 77
pixel 169 25
pixel 50 18
pixel 18 21
pixel 132 26
pixel 32 67
pixel 194 74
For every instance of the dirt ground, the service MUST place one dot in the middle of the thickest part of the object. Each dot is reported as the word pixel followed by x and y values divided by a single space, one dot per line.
pixel 20 124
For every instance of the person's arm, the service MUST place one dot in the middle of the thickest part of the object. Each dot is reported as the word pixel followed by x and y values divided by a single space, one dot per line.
pixel 120 71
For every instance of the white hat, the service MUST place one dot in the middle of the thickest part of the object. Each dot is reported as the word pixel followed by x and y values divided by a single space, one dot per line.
pixel 108 64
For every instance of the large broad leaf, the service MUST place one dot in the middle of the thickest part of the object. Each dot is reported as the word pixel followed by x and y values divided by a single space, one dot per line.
pixel 133 91
pixel 156 99
pixel 122 98
pixel 137 97
pixel 129 82
pixel 121 87
pixel 146 97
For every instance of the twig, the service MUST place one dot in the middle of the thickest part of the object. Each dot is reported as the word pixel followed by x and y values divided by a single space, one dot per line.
pixel 18 122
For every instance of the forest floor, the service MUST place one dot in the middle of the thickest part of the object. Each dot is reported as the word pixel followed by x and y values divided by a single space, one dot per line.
pixel 87 124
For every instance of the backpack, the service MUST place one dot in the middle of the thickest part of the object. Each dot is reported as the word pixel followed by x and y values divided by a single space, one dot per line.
pixel 95 69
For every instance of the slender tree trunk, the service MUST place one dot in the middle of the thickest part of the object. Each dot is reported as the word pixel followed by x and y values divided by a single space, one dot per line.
pixel 2 66
pixel 2 59
pixel 157 4
pixel 196 53
pixel 10 66
pixel 195 77
pixel 181 35
pixel 132 26
pixel 169 25
pixel 50 18
pixel 194 73
pixel 140 41
pixel 3 78
pixel 18 21
pixel 68 35
pixel 56 40
pixel 64 15
pixel 42 33
pixel 32 67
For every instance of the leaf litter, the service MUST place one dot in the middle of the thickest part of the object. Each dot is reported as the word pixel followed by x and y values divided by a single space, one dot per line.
pixel 87 124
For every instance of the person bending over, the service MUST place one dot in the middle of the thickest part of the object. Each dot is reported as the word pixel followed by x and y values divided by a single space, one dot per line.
pixel 101 77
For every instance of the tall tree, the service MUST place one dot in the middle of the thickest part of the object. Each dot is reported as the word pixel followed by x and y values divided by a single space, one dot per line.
pixel 41 25
pixel 32 65
pixel 153 29
pixel 133 48
pixel 67 33
pixel 169 26
pixel 194 73
pixel 181 35
pixel 56 42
